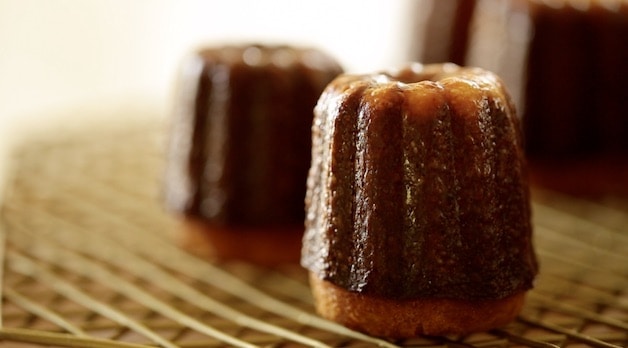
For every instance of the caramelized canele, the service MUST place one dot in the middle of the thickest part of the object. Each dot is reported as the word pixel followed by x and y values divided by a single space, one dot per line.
pixel 418 188
pixel 240 148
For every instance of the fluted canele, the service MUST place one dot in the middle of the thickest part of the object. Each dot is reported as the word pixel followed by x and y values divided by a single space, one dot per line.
pixel 418 188
pixel 240 146
pixel 241 139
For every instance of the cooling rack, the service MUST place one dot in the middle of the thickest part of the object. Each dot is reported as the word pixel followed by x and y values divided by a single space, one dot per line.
pixel 90 260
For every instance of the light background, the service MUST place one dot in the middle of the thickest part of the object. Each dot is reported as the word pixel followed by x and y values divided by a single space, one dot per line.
pixel 69 62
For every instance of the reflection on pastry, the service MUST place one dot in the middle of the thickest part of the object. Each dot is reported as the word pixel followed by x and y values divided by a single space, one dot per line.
pixel 418 214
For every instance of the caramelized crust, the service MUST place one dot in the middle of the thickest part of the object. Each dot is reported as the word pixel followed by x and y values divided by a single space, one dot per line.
pixel 240 141
pixel 418 187
pixel 240 148
pixel 390 318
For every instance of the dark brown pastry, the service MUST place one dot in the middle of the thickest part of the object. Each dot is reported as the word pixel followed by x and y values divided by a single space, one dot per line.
pixel 240 148
pixel 418 213
pixel 564 64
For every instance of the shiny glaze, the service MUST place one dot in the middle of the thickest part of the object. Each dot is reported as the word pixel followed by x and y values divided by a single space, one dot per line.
pixel 418 187
pixel 240 145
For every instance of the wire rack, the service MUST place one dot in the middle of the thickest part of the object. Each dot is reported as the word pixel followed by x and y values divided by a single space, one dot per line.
pixel 90 260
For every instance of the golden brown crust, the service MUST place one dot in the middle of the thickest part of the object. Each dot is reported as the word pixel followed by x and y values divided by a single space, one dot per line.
pixel 408 318
pixel 262 246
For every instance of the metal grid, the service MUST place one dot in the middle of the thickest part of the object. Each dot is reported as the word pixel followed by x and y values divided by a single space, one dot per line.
pixel 90 261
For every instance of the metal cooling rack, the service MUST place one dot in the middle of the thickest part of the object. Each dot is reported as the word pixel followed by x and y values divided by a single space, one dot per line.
pixel 90 261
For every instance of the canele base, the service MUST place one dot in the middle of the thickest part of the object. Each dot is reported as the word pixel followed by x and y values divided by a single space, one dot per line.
pixel 584 177
pixel 262 246
pixel 409 318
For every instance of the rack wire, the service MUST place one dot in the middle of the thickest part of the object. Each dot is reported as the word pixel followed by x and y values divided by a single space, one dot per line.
pixel 90 260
